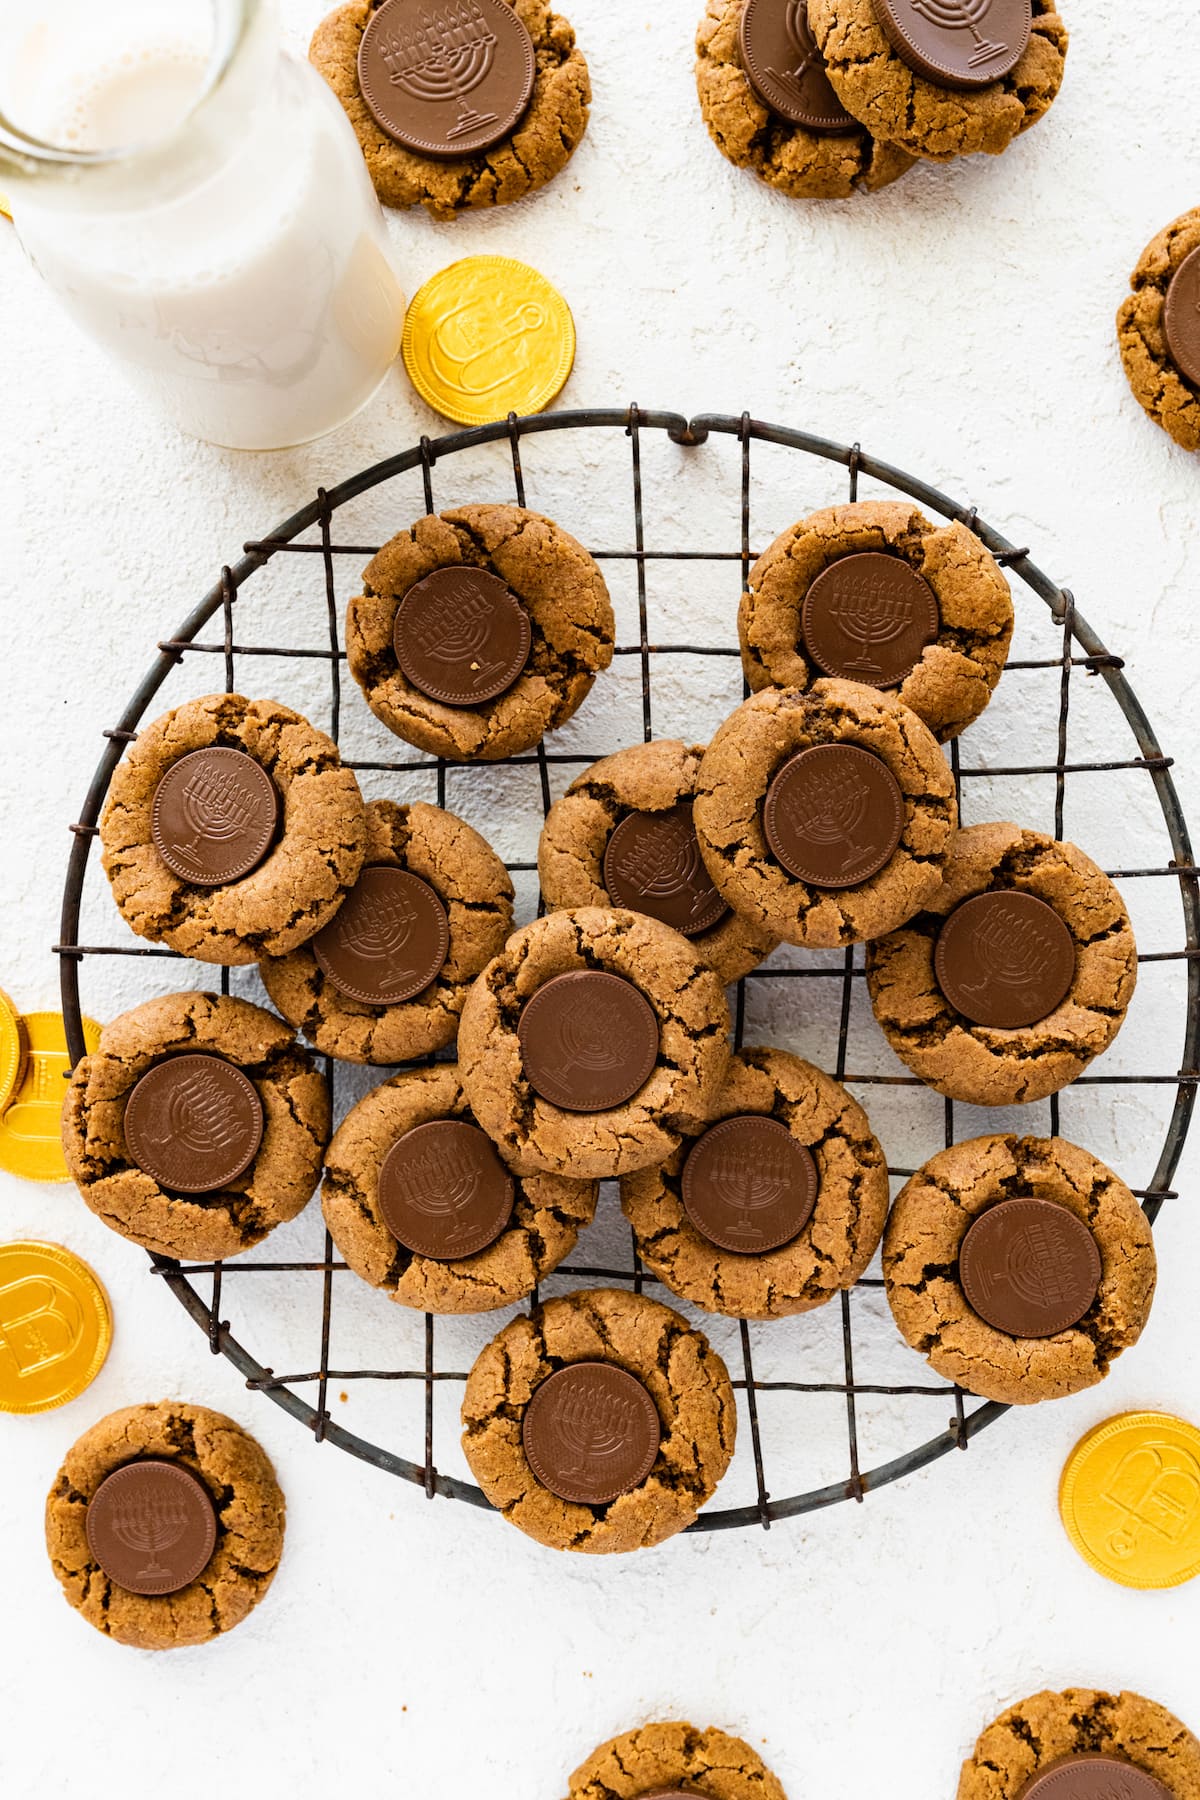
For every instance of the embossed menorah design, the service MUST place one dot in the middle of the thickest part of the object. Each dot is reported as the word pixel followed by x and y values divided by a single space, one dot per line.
pixel 442 1185
pixel 380 925
pixel 1008 955
pixel 795 23
pixel 1031 1268
pixel 215 806
pixel 196 1116
pixel 664 862
pixel 443 56
pixel 149 1523
pixel 592 1426
pixel 963 15
pixel 601 1040
pixel 830 813
pixel 748 1186
pixel 873 613
pixel 458 634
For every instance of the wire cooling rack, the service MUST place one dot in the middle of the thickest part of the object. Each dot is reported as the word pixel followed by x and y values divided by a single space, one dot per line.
pixel 1075 652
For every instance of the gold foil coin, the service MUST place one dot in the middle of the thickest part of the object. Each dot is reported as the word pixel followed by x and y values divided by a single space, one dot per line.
pixel 30 1128
pixel 14 1049
pixel 488 336
pixel 55 1327
pixel 1130 1499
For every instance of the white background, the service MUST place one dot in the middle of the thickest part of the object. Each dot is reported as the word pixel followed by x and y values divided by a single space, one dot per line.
pixel 961 325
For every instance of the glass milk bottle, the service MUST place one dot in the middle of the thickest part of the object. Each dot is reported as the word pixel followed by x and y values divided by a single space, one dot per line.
pixel 197 199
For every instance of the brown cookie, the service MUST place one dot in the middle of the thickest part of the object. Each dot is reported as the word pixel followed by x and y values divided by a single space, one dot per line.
pixel 1169 390
pixel 686 1381
pixel 990 1065
pixel 220 1472
pixel 1031 1736
pixel 875 593
pixel 288 893
pixel 472 886
pixel 693 1023
pixel 734 786
pixel 933 1214
pixel 548 1211
pixel 556 582
pixel 538 144
pixel 669 1756
pixel 834 1244
pixel 272 1187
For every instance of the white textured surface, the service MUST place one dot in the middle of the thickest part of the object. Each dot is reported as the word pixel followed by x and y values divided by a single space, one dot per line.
pixel 961 326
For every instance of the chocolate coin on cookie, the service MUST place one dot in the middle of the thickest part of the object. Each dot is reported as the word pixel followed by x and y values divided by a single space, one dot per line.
pixel 786 69
pixel 1093 1777
pixel 591 1432
pixel 462 636
pixel 833 815
pixel 589 1040
pixel 194 1123
pixel 652 864
pixel 1181 318
pixel 214 816
pixel 443 1191
pixel 446 77
pixel 868 618
pixel 388 939
pixel 748 1186
pixel 1029 1268
pixel 152 1526
pixel 958 43
pixel 1005 959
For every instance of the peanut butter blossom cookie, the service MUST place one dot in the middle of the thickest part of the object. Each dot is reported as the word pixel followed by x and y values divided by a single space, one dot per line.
pixel 1019 1267
pixel 165 1525
pixel 1083 1744
pixel 1014 976
pixel 457 103
pixel 420 1204
pixel 671 1760
pixel 231 830
pixel 385 980
pixel 772 1207
pixel 600 1422
pixel 874 593
pixel 825 815
pixel 588 1044
pixel 622 835
pixel 769 106
pixel 196 1126
pixel 511 624
pixel 1158 329
pixel 943 78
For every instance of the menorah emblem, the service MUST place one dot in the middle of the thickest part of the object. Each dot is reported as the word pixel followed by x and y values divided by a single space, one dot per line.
pixel 1156 1490
pixel 800 38
pixel 442 1184
pixel 963 15
pixel 196 1116
pixel 1034 1267
pixel 872 611
pixel 601 1040
pixel 149 1518
pixel 443 55
pixel 829 813
pixel 664 861
pixel 457 630
pixel 1008 953
pixel 215 805
pixel 748 1184
pixel 379 923
pixel 593 1425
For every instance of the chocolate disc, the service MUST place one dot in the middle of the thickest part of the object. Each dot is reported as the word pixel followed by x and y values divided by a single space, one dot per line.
pixel 868 618
pixel 748 1185
pixel 1005 959
pixel 388 939
pixel 1181 318
pixel 1093 1778
pixel 786 69
pixel 591 1432
pixel 151 1526
pixel 653 864
pixel 958 43
pixel 194 1123
pixel 443 1191
pixel 214 815
pixel 589 1040
pixel 1029 1267
pixel 446 77
pixel 833 815
pixel 462 636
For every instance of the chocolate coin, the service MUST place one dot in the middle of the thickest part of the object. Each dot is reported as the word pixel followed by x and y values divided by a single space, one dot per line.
pixel 446 77
pixel 1029 1268
pixel 868 618
pixel 214 815
pixel 151 1525
pixel 194 1123
pixel 1181 318
pixel 591 1432
pixel 589 1040
pixel 388 939
pixel 487 336
pixel 31 1124
pixel 958 43
pixel 833 815
pixel 652 864
pixel 1129 1499
pixel 1005 959
pixel 55 1327
pixel 748 1186
pixel 462 636
pixel 443 1191
pixel 786 69
pixel 1093 1777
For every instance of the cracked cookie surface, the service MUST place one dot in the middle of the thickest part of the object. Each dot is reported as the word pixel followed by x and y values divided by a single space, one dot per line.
pixel 669 1752
pixel 895 103
pixel 1159 387
pixel 250 1524
pixel 956 674
pixel 314 861
pixel 556 581
pixel 650 778
pixel 539 147
pixel 472 884
pixel 836 1243
pixel 685 1377
pixel 734 777
pixel 285 1170
pixel 693 1023
pixel 921 1247
pixel 1036 1732
pixel 986 1065
pixel 806 165
pixel 549 1211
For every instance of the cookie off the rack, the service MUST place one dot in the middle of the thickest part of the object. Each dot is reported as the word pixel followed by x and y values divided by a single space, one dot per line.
pixel 1158 330
pixel 1083 1744
pixel 654 1761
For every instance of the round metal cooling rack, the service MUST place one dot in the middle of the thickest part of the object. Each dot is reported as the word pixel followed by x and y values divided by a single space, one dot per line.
pixel 1077 648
